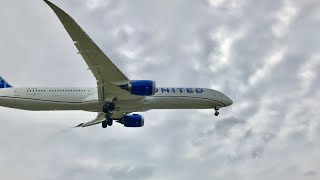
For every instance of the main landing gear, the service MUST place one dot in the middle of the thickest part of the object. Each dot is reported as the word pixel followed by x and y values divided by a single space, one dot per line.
pixel 216 111
pixel 107 109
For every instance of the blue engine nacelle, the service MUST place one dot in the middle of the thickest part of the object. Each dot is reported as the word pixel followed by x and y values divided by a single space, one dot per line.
pixel 141 87
pixel 133 120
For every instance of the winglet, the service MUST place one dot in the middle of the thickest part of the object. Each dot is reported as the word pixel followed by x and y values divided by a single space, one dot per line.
pixel 4 83
pixel 49 3
pixel 55 8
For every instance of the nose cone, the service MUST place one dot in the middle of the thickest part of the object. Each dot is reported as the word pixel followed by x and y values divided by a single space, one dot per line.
pixel 228 101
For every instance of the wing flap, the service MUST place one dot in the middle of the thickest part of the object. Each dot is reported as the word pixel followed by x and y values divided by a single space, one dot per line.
pixel 100 118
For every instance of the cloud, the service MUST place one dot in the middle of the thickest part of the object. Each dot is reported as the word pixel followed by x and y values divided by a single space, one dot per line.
pixel 311 173
pixel 142 172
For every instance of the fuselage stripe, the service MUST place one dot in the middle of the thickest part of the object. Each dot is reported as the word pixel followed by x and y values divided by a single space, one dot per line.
pixel 44 100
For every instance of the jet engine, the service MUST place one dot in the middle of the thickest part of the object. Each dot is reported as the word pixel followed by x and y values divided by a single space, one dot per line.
pixel 140 87
pixel 133 120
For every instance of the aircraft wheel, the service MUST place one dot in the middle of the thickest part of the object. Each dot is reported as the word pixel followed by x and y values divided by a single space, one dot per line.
pixel 217 112
pixel 110 122
pixel 104 124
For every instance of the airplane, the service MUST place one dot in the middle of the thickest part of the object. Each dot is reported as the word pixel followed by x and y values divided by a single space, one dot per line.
pixel 116 98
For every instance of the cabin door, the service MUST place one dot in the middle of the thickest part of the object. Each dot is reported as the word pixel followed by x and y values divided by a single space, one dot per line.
pixel 17 93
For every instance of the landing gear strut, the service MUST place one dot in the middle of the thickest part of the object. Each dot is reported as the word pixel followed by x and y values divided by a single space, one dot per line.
pixel 107 109
pixel 216 111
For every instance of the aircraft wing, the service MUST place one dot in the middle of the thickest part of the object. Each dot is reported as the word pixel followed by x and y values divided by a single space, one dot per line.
pixel 99 119
pixel 117 115
pixel 105 72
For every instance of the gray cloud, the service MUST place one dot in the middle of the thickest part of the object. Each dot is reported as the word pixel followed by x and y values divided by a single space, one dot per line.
pixel 142 172
pixel 311 173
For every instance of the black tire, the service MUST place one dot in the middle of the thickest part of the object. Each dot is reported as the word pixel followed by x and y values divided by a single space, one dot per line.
pixel 104 124
pixel 110 122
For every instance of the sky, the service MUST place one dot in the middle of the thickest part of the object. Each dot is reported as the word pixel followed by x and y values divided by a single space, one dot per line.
pixel 264 55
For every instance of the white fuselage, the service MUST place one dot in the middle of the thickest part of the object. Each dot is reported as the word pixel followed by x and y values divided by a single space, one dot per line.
pixel 47 99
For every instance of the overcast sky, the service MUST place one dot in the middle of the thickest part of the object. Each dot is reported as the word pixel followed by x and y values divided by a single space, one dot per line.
pixel 265 55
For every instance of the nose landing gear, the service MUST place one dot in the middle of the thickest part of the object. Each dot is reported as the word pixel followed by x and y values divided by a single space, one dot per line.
pixel 216 111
